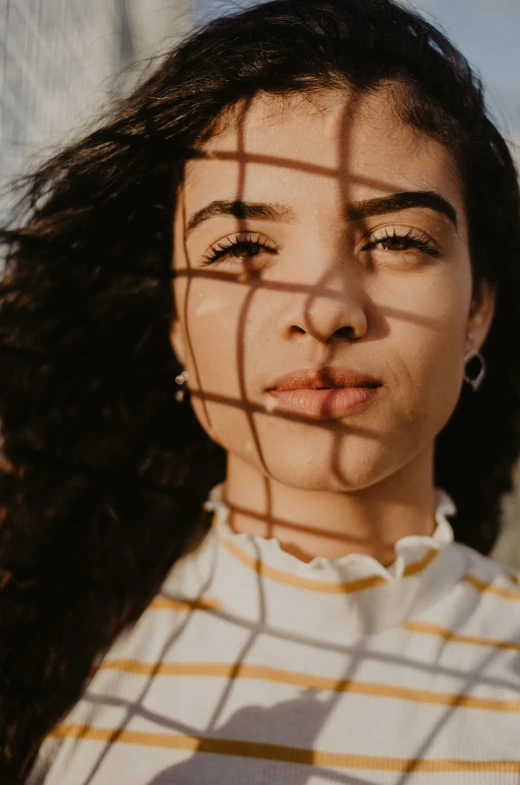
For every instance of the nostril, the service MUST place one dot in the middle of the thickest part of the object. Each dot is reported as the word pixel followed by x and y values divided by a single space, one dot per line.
pixel 345 333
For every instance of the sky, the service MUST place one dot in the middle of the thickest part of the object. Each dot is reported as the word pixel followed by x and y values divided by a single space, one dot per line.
pixel 488 34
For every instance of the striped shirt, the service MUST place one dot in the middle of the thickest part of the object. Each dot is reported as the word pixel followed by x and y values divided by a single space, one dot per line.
pixel 252 667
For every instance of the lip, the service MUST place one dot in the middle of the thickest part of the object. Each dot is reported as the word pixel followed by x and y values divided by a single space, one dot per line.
pixel 324 393
pixel 329 377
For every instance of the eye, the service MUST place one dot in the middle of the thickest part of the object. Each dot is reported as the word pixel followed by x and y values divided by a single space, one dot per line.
pixel 399 240
pixel 243 246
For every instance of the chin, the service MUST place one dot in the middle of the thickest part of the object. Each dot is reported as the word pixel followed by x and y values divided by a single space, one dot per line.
pixel 325 472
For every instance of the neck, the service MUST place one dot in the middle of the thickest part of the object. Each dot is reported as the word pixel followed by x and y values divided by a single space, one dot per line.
pixel 332 524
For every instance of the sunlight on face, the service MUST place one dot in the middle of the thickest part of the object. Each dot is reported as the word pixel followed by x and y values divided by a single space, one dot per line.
pixel 306 259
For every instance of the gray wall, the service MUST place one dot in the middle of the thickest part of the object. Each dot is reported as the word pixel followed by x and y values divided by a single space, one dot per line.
pixel 59 60
pixel 55 58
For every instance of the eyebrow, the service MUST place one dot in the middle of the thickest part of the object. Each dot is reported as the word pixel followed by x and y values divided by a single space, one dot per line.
pixel 406 200
pixel 402 201
pixel 241 210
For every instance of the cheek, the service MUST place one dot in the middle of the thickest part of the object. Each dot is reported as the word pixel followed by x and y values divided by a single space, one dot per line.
pixel 227 325
pixel 429 340
pixel 209 312
pixel 214 317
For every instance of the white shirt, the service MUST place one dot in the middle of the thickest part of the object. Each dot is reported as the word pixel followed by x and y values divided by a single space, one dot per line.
pixel 253 667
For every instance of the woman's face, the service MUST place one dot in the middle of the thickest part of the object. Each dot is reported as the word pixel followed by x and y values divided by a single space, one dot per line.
pixel 300 267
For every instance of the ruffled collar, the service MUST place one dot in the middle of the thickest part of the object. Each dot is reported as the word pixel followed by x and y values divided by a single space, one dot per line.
pixel 349 567
pixel 352 595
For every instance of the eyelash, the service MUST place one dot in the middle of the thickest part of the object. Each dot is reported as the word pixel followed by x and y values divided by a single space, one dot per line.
pixel 416 239
pixel 231 245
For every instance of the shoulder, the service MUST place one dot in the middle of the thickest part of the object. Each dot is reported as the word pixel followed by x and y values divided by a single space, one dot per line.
pixel 121 672
pixel 490 576
pixel 182 595
pixel 486 600
pixel 476 624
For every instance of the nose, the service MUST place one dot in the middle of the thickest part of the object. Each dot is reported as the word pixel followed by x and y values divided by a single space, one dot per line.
pixel 328 311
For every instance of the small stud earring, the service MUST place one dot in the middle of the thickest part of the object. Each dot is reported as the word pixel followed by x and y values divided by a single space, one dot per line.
pixel 181 380
pixel 474 354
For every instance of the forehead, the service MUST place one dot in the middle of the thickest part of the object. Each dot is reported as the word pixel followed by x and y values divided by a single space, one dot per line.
pixel 313 147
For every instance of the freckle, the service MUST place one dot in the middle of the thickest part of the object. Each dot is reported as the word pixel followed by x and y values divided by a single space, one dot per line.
pixel 244 276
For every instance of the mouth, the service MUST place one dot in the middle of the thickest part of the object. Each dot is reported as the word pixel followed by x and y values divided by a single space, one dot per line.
pixel 322 394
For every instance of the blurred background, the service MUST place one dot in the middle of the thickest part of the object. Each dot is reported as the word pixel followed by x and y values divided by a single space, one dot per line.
pixel 61 60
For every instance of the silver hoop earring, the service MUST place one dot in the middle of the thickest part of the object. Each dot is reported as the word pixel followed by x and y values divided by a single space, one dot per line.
pixel 473 354
pixel 181 380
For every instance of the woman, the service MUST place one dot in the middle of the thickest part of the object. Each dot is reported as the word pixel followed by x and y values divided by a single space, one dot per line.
pixel 334 365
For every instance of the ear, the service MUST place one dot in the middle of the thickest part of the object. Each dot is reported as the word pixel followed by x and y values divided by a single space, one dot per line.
pixel 481 312
pixel 177 341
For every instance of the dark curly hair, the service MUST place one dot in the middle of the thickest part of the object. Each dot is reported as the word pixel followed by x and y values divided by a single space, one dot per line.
pixel 102 474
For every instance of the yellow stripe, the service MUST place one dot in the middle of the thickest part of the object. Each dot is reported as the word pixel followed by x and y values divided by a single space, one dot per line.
pixel 308 681
pixel 421 564
pixel 212 604
pixel 321 586
pixel 491 588
pixel 426 628
pixel 513 577
pixel 297 581
pixel 282 754
pixel 203 603
pixel 160 603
